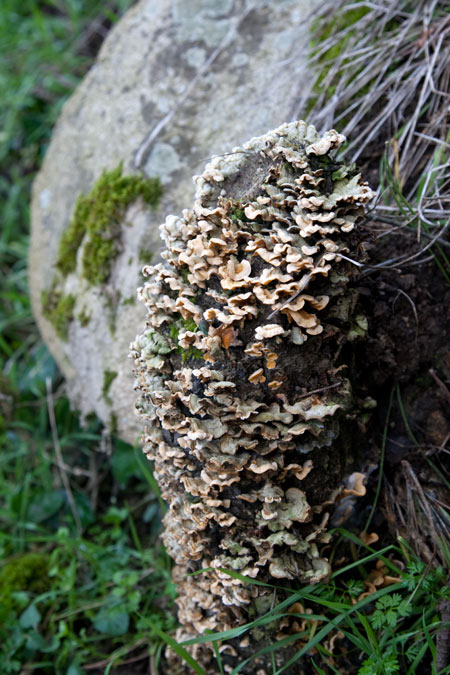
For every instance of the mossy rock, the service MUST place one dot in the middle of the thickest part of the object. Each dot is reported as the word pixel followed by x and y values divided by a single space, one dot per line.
pixel 98 218
pixel 154 106
pixel 95 231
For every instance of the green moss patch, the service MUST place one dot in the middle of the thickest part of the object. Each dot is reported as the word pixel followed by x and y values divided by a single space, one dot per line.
pixel 184 271
pixel 95 225
pixel 84 317
pixel 24 573
pixel 184 324
pixel 145 256
pixel 58 309
pixel 98 216
pixel 237 214
pixel 108 378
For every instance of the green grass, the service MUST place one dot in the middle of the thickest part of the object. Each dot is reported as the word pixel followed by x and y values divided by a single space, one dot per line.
pixel 102 575
pixel 78 579
pixel 428 222
pixel 391 630
pixel 83 580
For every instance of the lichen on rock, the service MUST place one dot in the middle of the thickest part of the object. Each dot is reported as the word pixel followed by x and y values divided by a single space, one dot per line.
pixel 245 430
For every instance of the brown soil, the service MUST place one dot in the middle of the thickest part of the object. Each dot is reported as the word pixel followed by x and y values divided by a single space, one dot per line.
pixel 408 350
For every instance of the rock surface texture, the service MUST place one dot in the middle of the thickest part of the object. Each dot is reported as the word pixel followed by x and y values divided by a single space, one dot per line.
pixel 173 83
pixel 243 370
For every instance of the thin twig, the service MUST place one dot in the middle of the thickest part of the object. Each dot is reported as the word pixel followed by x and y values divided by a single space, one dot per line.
pixel 320 390
pixel 411 302
pixel 106 662
pixel 303 284
pixel 441 385
pixel 59 457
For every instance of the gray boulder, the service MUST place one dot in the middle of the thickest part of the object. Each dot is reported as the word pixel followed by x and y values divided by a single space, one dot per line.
pixel 175 82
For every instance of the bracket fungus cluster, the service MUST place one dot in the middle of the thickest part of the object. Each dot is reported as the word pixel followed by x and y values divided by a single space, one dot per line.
pixel 241 369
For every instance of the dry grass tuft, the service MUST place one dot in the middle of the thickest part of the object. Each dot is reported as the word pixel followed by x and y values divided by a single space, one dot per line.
pixel 383 80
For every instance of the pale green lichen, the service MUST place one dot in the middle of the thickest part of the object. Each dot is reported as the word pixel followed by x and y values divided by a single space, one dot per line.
pixel 98 217
pixel 359 328
pixel 156 347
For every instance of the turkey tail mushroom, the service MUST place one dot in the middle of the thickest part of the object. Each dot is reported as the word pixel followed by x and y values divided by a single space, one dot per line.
pixel 242 324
